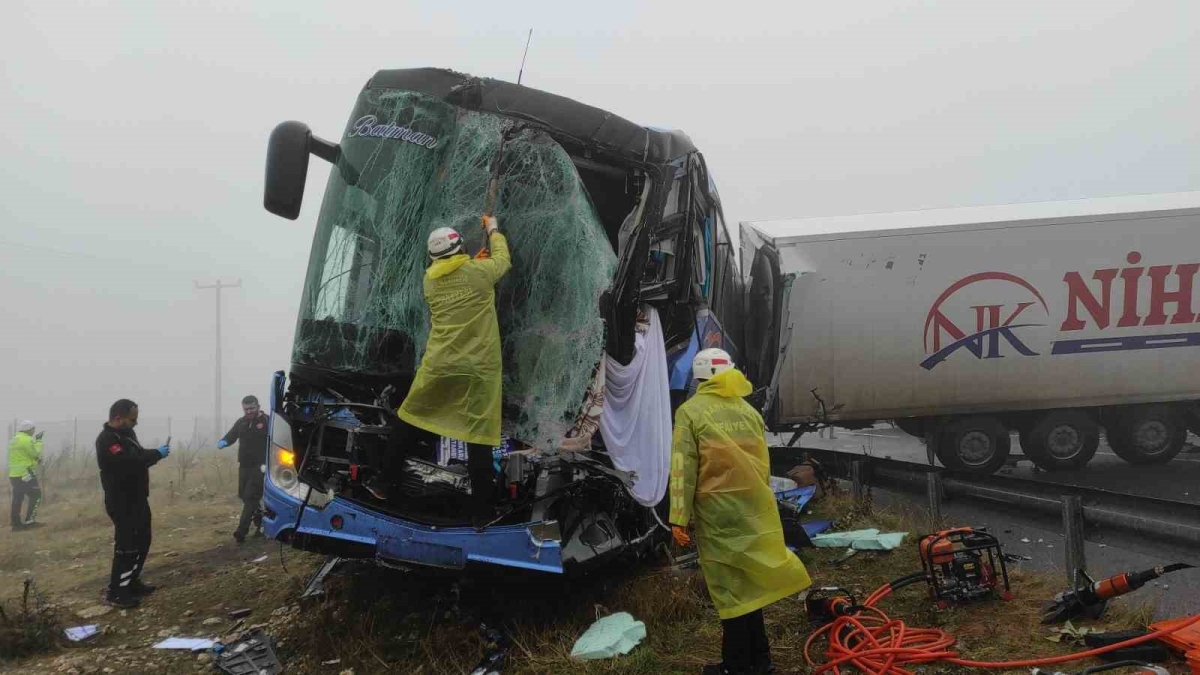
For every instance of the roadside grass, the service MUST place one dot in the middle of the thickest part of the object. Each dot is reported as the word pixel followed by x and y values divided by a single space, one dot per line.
pixel 381 621
pixel 377 620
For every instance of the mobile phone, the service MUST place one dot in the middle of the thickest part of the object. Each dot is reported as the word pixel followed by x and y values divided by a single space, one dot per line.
pixel 168 441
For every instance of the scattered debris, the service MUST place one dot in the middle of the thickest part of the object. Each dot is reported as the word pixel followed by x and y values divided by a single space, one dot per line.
pixel 190 644
pixel 261 558
pixel 613 635
pixel 331 662
pixel 81 633
pixel 315 587
pixel 239 613
pixel 861 540
pixel 495 654
pixel 252 655
pixel 211 621
pixel 850 553
pixel 1025 540
pixel 815 527
pixel 1070 633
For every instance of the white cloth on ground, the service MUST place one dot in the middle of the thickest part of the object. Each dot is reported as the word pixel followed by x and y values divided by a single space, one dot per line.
pixel 636 424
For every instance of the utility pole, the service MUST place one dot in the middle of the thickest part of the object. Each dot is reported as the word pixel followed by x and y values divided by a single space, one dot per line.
pixel 218 286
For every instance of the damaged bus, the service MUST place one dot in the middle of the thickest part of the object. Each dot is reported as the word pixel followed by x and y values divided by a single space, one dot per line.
pixel 618 246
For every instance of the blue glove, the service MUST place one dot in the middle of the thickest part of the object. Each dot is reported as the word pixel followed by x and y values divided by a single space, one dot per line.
pixel 163 451
pixel 221 444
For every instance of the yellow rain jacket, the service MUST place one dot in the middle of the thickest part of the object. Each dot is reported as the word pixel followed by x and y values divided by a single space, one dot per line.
pixel 456 392
pixel 720 475
pixel 23 453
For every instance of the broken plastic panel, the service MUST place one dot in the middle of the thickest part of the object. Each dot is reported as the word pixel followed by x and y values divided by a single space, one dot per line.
pixel 417 164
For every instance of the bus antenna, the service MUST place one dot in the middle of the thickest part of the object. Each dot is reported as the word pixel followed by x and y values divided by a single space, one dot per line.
pixel 521 72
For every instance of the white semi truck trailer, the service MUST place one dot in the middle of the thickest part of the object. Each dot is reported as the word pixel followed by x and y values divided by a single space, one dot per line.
pixel 1055 320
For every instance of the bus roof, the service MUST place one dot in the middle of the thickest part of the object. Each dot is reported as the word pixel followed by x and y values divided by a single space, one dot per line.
pixel 556 114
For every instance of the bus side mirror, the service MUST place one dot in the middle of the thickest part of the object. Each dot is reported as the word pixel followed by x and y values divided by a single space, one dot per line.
pixel 287 166
pixel 287 169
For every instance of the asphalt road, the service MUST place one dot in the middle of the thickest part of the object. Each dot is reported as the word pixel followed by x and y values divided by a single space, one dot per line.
pixel 1177 480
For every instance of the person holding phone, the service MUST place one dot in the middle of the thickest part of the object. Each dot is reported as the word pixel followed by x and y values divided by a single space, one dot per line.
pixel 24 453
pixel 125 477
pixel 250 433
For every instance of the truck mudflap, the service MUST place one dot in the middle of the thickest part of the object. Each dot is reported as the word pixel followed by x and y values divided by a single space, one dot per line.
pixel 349 530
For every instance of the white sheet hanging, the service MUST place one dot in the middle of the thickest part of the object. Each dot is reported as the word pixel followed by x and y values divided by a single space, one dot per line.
pixel 636 424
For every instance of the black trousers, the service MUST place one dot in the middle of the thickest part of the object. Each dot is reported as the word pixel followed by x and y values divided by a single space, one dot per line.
pixel 22 490
pixel 744 645
pixel 131 540
pixel 250 491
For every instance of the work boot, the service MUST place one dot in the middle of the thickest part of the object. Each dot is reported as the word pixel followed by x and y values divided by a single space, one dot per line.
pixel 239 537
pixel 141 589
pixel 122 597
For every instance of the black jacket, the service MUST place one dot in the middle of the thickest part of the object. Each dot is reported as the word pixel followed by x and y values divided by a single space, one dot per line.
pixel 124 464
pixel 251 437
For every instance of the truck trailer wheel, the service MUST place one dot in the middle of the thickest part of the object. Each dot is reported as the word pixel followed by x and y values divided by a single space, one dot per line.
pixel 976 444
pixel 1151 434
pixel 1062 440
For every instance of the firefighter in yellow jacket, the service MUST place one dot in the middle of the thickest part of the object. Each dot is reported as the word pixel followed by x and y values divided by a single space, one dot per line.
pixel 457 388
pixel 720 483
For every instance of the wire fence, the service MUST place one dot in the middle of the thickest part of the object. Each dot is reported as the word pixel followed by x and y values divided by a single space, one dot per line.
pixel 194 468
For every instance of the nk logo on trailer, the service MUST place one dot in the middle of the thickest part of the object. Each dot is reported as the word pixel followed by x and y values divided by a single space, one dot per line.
pixel 983 315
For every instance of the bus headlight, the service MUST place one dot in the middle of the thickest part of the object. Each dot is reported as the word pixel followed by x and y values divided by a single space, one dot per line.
pixel 281 465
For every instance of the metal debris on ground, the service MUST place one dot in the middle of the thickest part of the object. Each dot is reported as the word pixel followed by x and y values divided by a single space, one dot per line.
pixel 81 633
pixel 613 635
pixel 316 583
pixel 190 644
pixel 239 613
pixel 684 562
pixel 254 654
pixel 495 654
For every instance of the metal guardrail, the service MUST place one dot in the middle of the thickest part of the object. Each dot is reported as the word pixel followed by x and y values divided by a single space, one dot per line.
pixel 1165 518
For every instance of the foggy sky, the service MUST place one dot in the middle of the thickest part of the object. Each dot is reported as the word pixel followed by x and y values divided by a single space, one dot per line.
pixel 133 137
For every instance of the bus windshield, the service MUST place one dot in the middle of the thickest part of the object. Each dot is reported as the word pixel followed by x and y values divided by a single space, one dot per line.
pixel 412 163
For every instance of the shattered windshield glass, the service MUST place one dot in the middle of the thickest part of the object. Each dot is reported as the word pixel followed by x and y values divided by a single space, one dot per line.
pixel 411 164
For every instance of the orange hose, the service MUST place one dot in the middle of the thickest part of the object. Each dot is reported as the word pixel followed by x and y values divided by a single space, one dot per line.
pixel 876 644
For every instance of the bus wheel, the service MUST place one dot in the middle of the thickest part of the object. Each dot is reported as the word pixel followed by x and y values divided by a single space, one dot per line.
pixel 1148 434
pixel 1062 440
pixel 978 444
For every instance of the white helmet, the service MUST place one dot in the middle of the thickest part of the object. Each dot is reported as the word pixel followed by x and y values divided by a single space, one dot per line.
pixel 444 242
pixel 711 362
pixel 26 426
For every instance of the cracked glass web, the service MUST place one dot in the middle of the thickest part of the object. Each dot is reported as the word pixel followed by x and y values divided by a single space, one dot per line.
pixel 363 300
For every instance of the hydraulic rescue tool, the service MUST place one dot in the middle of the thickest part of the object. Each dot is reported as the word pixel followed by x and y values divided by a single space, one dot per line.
pixel 963 564
pixel 1091 599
